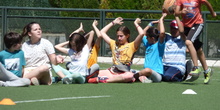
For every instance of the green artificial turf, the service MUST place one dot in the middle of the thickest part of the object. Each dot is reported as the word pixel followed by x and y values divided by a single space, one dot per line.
pixel 116 96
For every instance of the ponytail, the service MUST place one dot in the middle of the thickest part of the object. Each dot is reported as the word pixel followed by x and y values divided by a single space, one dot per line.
pixel 27 29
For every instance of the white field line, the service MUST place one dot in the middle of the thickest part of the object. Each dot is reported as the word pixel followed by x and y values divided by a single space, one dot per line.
pixel 65 98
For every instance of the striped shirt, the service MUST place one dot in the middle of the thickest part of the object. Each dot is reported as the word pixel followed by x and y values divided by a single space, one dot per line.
pixel 175 53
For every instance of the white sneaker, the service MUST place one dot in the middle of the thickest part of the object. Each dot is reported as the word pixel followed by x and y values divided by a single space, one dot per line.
pixel 1 83
pixel 194 74
pixel 191 78
pixel 35 81
pixel 67 80
pixel 144 79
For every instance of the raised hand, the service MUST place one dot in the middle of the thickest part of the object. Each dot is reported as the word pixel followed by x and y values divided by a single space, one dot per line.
pixel 214 14
pixel 164 14
pixel 81 28
pixel 118 21
pixel 137 21
pixel 95 23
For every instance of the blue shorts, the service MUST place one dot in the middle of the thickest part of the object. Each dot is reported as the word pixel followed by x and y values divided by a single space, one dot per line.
pixel 172 74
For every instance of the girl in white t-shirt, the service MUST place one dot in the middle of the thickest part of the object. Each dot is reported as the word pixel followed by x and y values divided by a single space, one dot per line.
pixel 78 51
pixel 38 52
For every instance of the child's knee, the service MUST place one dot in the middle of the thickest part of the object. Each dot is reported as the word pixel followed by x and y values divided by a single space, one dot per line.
pixel 43 68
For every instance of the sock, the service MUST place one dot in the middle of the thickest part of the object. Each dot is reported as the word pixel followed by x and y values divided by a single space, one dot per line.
pixel 206 71
pixel 195 67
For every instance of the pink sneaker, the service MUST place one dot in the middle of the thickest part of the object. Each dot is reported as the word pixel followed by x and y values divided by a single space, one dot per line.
pixel 93 80
pixel 102 79
pixel 144 79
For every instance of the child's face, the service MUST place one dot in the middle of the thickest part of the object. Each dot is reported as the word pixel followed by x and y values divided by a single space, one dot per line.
pixel 73 45
pixel 174 32
pixel 36 31
pixel 151 40
pixel 122 39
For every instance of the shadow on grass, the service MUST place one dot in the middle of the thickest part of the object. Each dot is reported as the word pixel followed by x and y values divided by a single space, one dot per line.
pixel 185 83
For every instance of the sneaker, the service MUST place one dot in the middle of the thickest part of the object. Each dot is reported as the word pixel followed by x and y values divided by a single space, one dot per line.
pixel 55 79
pixel 67 80
pixel 93 80
pixel 144 79
pixel 68 65
pixel 102 79
pixel 194 74
pixel 189 66
pixel 98 79
pixel 208 76
pixel 2 83
pixel 34 81
pixel 196 71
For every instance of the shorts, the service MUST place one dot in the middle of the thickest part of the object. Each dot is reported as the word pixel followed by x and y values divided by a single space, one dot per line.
pixel 172 74
pixel 29 69
pixel 155 76
pixel 193 34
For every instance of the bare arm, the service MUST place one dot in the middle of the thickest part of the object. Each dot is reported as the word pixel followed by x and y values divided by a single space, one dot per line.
pixel 60 47
pixel 89 40
pixel 98 33
pixel 138 39
pixel 209 6
pixel 107 27
pixel 52 58
pixel 161 28
pixel 181 28
pixel 149 25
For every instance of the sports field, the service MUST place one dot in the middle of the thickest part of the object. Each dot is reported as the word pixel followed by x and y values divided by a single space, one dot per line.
pixel 117 96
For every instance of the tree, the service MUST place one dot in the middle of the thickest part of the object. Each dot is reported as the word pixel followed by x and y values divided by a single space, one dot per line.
pixel 90 4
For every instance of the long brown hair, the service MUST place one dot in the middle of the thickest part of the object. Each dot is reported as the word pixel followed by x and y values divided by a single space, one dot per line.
pixel 79 40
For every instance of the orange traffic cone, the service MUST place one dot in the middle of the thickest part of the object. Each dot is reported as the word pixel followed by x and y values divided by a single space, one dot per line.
pixel 7 101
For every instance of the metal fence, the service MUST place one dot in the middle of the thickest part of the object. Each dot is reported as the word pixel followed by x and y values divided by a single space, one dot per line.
pixel 56 26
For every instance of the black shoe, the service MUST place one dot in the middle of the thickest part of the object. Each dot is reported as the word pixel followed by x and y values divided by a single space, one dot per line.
pixel 189 66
